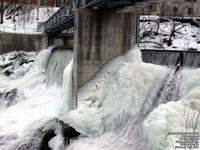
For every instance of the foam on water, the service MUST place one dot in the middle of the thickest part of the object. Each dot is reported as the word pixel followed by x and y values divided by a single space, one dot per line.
pixel 58 60
pixel 113 108
pixel 66 103
pixel 23 124
pixel 57 143
pixel 109 105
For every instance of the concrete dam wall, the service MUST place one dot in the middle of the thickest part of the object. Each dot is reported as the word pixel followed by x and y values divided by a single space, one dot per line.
pixel 12 41
pixel 172 57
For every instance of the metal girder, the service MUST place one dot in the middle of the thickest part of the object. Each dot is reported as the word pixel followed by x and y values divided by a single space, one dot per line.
pixel 64 14
pixel 114 4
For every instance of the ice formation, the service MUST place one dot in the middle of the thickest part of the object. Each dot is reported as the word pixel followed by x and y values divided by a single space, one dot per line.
pixel 66 102
pixel 24 123
pixel 11 62
pixel 129 104
pixel 113 108
pixel 109 105
pixel 180 116
pixel 59 59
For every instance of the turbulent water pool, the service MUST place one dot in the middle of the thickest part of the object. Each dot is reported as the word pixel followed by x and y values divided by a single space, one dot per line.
pixel 129 105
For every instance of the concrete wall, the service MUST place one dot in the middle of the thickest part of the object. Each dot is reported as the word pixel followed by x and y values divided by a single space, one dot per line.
pixel 26 42
pixel 99 36
pixel 10 42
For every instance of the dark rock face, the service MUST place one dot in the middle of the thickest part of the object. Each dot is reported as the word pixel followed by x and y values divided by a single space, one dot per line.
pixel 12 61
pixel 46 138
pixel 10 96
pixel 68 132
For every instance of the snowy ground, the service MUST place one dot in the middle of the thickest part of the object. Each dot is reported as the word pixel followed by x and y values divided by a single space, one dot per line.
pixel 27 23
pixel 187 38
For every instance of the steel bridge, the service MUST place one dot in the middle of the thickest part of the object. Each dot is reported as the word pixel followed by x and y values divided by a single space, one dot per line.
pixel 64 17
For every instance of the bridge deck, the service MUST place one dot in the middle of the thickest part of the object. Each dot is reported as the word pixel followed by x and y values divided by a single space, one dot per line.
pixel 64 17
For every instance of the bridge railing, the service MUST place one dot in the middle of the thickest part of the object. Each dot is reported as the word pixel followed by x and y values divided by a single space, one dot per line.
pixel 70 6
pixel 5 29
pixel 64 12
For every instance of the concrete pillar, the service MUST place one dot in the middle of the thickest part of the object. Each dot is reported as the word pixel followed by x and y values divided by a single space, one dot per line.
pixel 100 35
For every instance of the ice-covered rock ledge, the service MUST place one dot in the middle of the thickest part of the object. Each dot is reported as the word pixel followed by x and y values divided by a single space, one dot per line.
pixel 11 62
pixel 167 120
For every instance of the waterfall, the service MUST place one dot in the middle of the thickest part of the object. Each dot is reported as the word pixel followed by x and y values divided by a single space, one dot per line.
pixel 192 59
pixel 129 134
pixel 128 105
pixel 57 143
pixel 169 90
pixel 168 58
pixel 30 110
pixel 67 103
pixel 59 58
pixel 172 58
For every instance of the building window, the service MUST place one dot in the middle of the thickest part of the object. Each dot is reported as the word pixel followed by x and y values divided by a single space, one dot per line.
pixel 42 2
pixel 150 8
pixel 190 11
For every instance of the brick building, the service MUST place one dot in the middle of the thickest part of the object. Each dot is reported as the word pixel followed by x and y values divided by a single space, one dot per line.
pixel 183 8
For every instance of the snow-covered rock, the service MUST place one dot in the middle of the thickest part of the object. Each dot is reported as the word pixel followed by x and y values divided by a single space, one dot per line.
pixel 13 61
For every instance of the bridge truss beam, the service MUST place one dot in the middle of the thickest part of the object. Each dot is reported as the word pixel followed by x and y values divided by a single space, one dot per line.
pixel 64 17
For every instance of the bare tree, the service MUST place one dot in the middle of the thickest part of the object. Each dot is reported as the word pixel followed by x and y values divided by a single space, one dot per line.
pixel 191 116
pixel 176 26
pixel 152 28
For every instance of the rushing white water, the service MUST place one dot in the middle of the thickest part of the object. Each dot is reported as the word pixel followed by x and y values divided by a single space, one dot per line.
pixel 59 59
pixel 57 143
pixel 113 109
pixel 129 105
pixel 24 122
pixel 109 106
pixel 180 116
pixel 66 103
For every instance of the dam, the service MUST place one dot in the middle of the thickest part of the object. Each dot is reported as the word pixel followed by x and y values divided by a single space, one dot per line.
pixel 95 90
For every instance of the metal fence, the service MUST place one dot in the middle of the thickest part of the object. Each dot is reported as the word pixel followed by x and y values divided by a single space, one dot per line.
pixel 4 29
